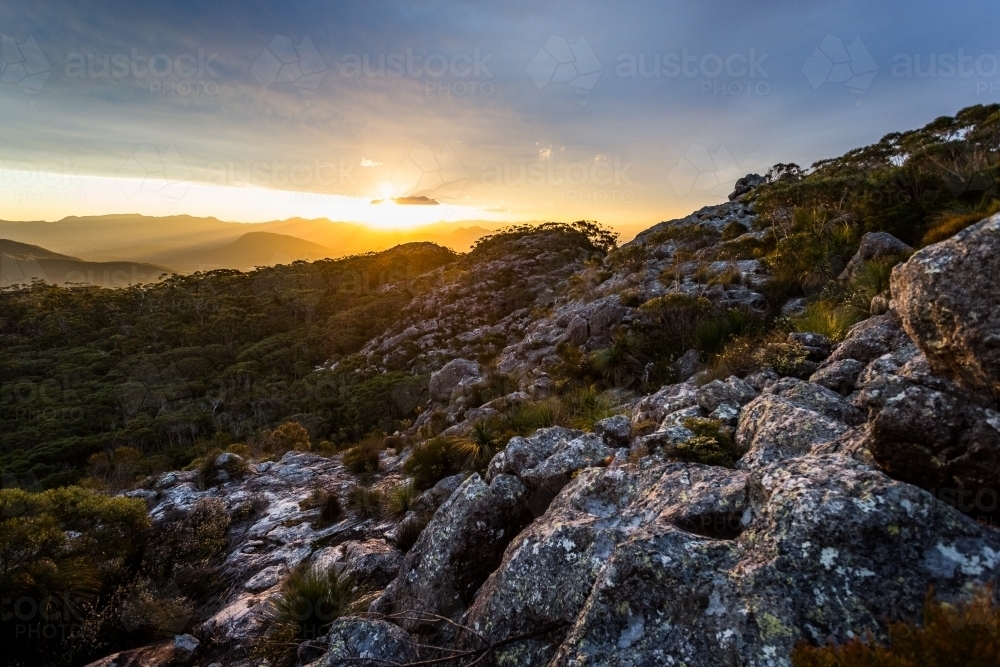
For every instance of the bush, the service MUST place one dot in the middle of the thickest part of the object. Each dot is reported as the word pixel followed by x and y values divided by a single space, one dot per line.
pixel 432 461
pixel 400 500
pixel 363 459
pixel 408 532
pixel 287 437
pixel 328 504
pixel 829 319
pixel 733 230
pixel 952 222
pixel 711 445
pixel 475 450
pixel 309 602
pixel 964 634
pixel 365 500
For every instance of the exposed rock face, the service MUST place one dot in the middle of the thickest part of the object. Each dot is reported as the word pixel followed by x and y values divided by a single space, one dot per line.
pixel 708 566
pixel 368 643
pixel 451 376
pixel 947 299
pixel 874 245
pixel 456 552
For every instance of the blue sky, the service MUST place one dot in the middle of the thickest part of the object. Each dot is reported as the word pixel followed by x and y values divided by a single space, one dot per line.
pixel 254 98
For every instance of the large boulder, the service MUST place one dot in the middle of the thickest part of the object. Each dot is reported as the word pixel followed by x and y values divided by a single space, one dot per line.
pixel 688 564
pixel 522 454
pixel 357 642
pixel 874 245
pixel 453 374
pixel 457 550
pixel 947 298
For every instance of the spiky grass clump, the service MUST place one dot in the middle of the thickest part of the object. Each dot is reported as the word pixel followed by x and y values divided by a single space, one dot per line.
pixel 432 461
pixel 400 500
pixel 311 599
pixel 409 532
pixel 364 500
pixel 830 319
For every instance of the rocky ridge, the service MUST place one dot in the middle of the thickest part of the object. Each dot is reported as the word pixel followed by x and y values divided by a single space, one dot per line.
pixel 866 475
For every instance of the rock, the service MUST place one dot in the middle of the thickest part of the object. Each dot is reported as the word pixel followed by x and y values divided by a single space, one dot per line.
pixel 874 245
pixel 267 578
pixel 185 647
pixel 687 365
pixel 524 453
pixel 772 428
pixel 458 549
pixel 746 185
pixel 732 392
pixel 880 303
pixel 817 398
pixel 663 440
pixel 665 401
pixel 577 331
pixel 870 339
pixel 454 373
pixel 357 642
pixel 839 376
pixel 678 417
pixel 616 430
pixel 710 566
pixel 795 307
pixel 552 474
pixel 946 296
pixel 762 379
pixel 431 499
pixel 817 345
pixel 372 562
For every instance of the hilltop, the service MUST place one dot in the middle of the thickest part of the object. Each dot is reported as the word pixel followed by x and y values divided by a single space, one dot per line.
pixel 751 435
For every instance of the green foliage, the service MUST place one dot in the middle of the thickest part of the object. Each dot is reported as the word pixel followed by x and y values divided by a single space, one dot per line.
pixel 363 458
pixel 431 461
pixel 585 234
pixel 400 500
pixel 409 531
pixel 365 500
pixel 964 634
pixel 949 223
pixel 711 445
pixel 165 368
pixel 474 451
pixel 310 600
pixel 328 504
pixel 631 258
pixel 618 363
pixel 64 550
pixel 830 319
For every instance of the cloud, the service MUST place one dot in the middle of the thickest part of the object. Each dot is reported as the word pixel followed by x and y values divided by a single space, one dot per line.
pixel 365 162
pixel 415 200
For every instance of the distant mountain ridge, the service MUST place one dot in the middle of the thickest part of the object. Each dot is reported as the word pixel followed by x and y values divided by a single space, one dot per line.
pixel 22 263
pixel 186 243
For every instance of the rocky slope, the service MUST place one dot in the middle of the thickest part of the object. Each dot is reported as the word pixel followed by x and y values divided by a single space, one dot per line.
pixel 867 474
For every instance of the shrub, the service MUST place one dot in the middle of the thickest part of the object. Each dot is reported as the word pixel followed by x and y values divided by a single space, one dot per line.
pixel 400 500
pixel 365 500
pixel 475 451
pixel 632 258
pixel 952 222
pixel 963 634
pixel 831 319
pixel 711 445
pixel 733 230
pixel 431 461
pixel 287 437
pixel 618 363
pixel 328 504
pixel 408 532
pixel 117 470
pixel 310 600
pixel 396 443
pixel 363 459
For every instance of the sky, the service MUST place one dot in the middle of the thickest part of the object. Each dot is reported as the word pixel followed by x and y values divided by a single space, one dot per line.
pixel 625 113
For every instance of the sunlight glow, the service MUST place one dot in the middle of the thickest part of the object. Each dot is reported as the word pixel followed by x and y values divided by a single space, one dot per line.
pixel 26 198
